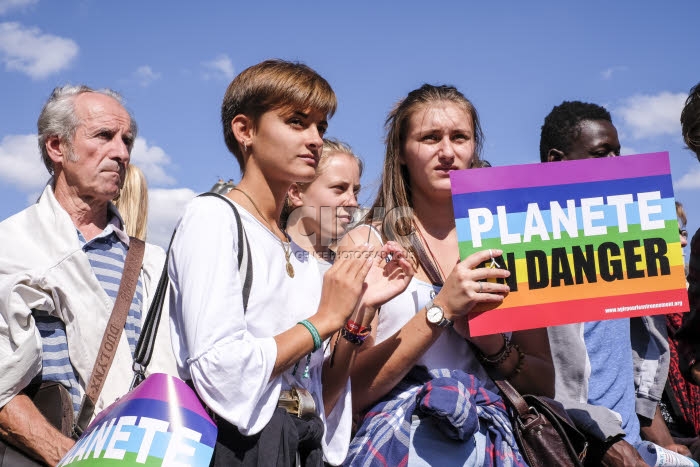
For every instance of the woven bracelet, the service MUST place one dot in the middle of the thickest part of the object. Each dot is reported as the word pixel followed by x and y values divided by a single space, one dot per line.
pixel 356 328
pixel 355 333
pixel 314 333
pixel 353 338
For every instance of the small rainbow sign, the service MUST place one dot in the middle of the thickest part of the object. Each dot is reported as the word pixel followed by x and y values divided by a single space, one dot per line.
pixel 584 240
pixel 159 423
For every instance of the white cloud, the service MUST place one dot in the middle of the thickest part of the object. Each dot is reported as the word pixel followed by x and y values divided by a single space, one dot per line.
pixel 626 151
pixel 219 68
pixel 164 210
pixel 153 161
pixel 144 75
pixel 29 51
pixel 608 73
pixel 21 164
pixel 7 5
pixel 652 115
pixel 689 181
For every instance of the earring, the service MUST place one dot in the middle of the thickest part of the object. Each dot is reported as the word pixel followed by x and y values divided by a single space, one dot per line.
pixel 245 147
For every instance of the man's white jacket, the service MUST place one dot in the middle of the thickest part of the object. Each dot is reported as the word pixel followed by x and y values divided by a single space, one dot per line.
pixel 43 267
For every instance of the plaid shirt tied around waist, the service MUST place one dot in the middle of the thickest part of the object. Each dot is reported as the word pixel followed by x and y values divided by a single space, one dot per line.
pixel 456 400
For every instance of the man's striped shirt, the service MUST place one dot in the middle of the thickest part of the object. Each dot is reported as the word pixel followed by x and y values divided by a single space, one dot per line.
pixel 106 253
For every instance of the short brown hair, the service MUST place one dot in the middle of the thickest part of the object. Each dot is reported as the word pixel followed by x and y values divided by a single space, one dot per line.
pixel 270 85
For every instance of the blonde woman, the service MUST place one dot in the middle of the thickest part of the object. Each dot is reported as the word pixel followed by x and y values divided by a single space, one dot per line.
pixel 319 212
pixel 132 202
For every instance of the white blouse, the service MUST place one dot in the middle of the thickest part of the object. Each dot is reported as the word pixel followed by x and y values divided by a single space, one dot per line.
pixel 230 354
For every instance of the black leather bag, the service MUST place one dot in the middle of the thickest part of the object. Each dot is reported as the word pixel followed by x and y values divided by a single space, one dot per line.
pixel 543 430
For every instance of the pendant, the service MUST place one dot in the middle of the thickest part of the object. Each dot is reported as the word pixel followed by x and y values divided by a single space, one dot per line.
pixel 290 269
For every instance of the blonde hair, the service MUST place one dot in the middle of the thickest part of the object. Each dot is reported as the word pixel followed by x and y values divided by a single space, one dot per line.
pixel 271 85
pixel 132 203
pixel 331 147
pixel 680 213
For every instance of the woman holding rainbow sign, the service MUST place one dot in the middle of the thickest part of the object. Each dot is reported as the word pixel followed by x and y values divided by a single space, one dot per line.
pixel 422 336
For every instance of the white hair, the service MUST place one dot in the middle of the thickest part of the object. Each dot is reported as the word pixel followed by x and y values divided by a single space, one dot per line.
pixel 58 117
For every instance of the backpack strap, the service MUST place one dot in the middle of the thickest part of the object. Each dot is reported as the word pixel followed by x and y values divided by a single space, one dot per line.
pixel 145 345
pixel 245 263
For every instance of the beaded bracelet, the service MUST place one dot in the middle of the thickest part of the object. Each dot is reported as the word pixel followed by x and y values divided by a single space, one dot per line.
pixel 306 368
pixel 521 362
pixel 499 357
pixel 314 333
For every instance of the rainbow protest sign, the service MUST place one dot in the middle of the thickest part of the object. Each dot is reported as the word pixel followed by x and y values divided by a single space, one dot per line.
pixel 584 240
pixel 159 423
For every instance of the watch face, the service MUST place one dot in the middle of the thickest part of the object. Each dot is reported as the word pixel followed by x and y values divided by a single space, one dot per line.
pixel 434 314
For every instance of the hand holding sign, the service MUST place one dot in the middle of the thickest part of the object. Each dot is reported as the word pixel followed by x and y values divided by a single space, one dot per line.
pixel 464 290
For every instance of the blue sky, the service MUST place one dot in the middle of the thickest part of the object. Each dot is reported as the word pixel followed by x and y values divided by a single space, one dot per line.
pixel 173 60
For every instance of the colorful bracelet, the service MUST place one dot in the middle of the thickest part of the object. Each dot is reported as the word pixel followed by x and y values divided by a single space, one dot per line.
pixel 314 333
pixel 357 328
pixel 351 337
pixel 355 333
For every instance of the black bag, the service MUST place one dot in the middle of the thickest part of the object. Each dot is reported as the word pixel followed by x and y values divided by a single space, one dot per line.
pixel 543 430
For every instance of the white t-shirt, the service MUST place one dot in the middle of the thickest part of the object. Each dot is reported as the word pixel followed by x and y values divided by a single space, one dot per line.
pixel 230 354
pixel 450 350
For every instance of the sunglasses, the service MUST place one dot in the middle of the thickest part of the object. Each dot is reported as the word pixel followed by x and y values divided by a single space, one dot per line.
pixel 683 232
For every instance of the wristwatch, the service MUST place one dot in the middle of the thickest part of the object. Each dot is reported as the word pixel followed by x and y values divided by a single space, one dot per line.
pixel 436 316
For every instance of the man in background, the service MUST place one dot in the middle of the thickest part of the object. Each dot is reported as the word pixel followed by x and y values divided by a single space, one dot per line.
pixel 614 367
pixel 690 332
pixel 61 264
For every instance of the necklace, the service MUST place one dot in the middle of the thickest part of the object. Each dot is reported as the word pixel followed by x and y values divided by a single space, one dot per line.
pixel 286 246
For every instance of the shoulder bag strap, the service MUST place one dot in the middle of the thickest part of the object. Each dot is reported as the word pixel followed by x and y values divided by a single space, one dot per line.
pixel 113 331
pixel 512 397
pixel 427 264
pixel 145 345
pixel 149 328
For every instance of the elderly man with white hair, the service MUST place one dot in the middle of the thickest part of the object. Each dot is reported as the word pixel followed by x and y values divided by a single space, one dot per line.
pixel 61 265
